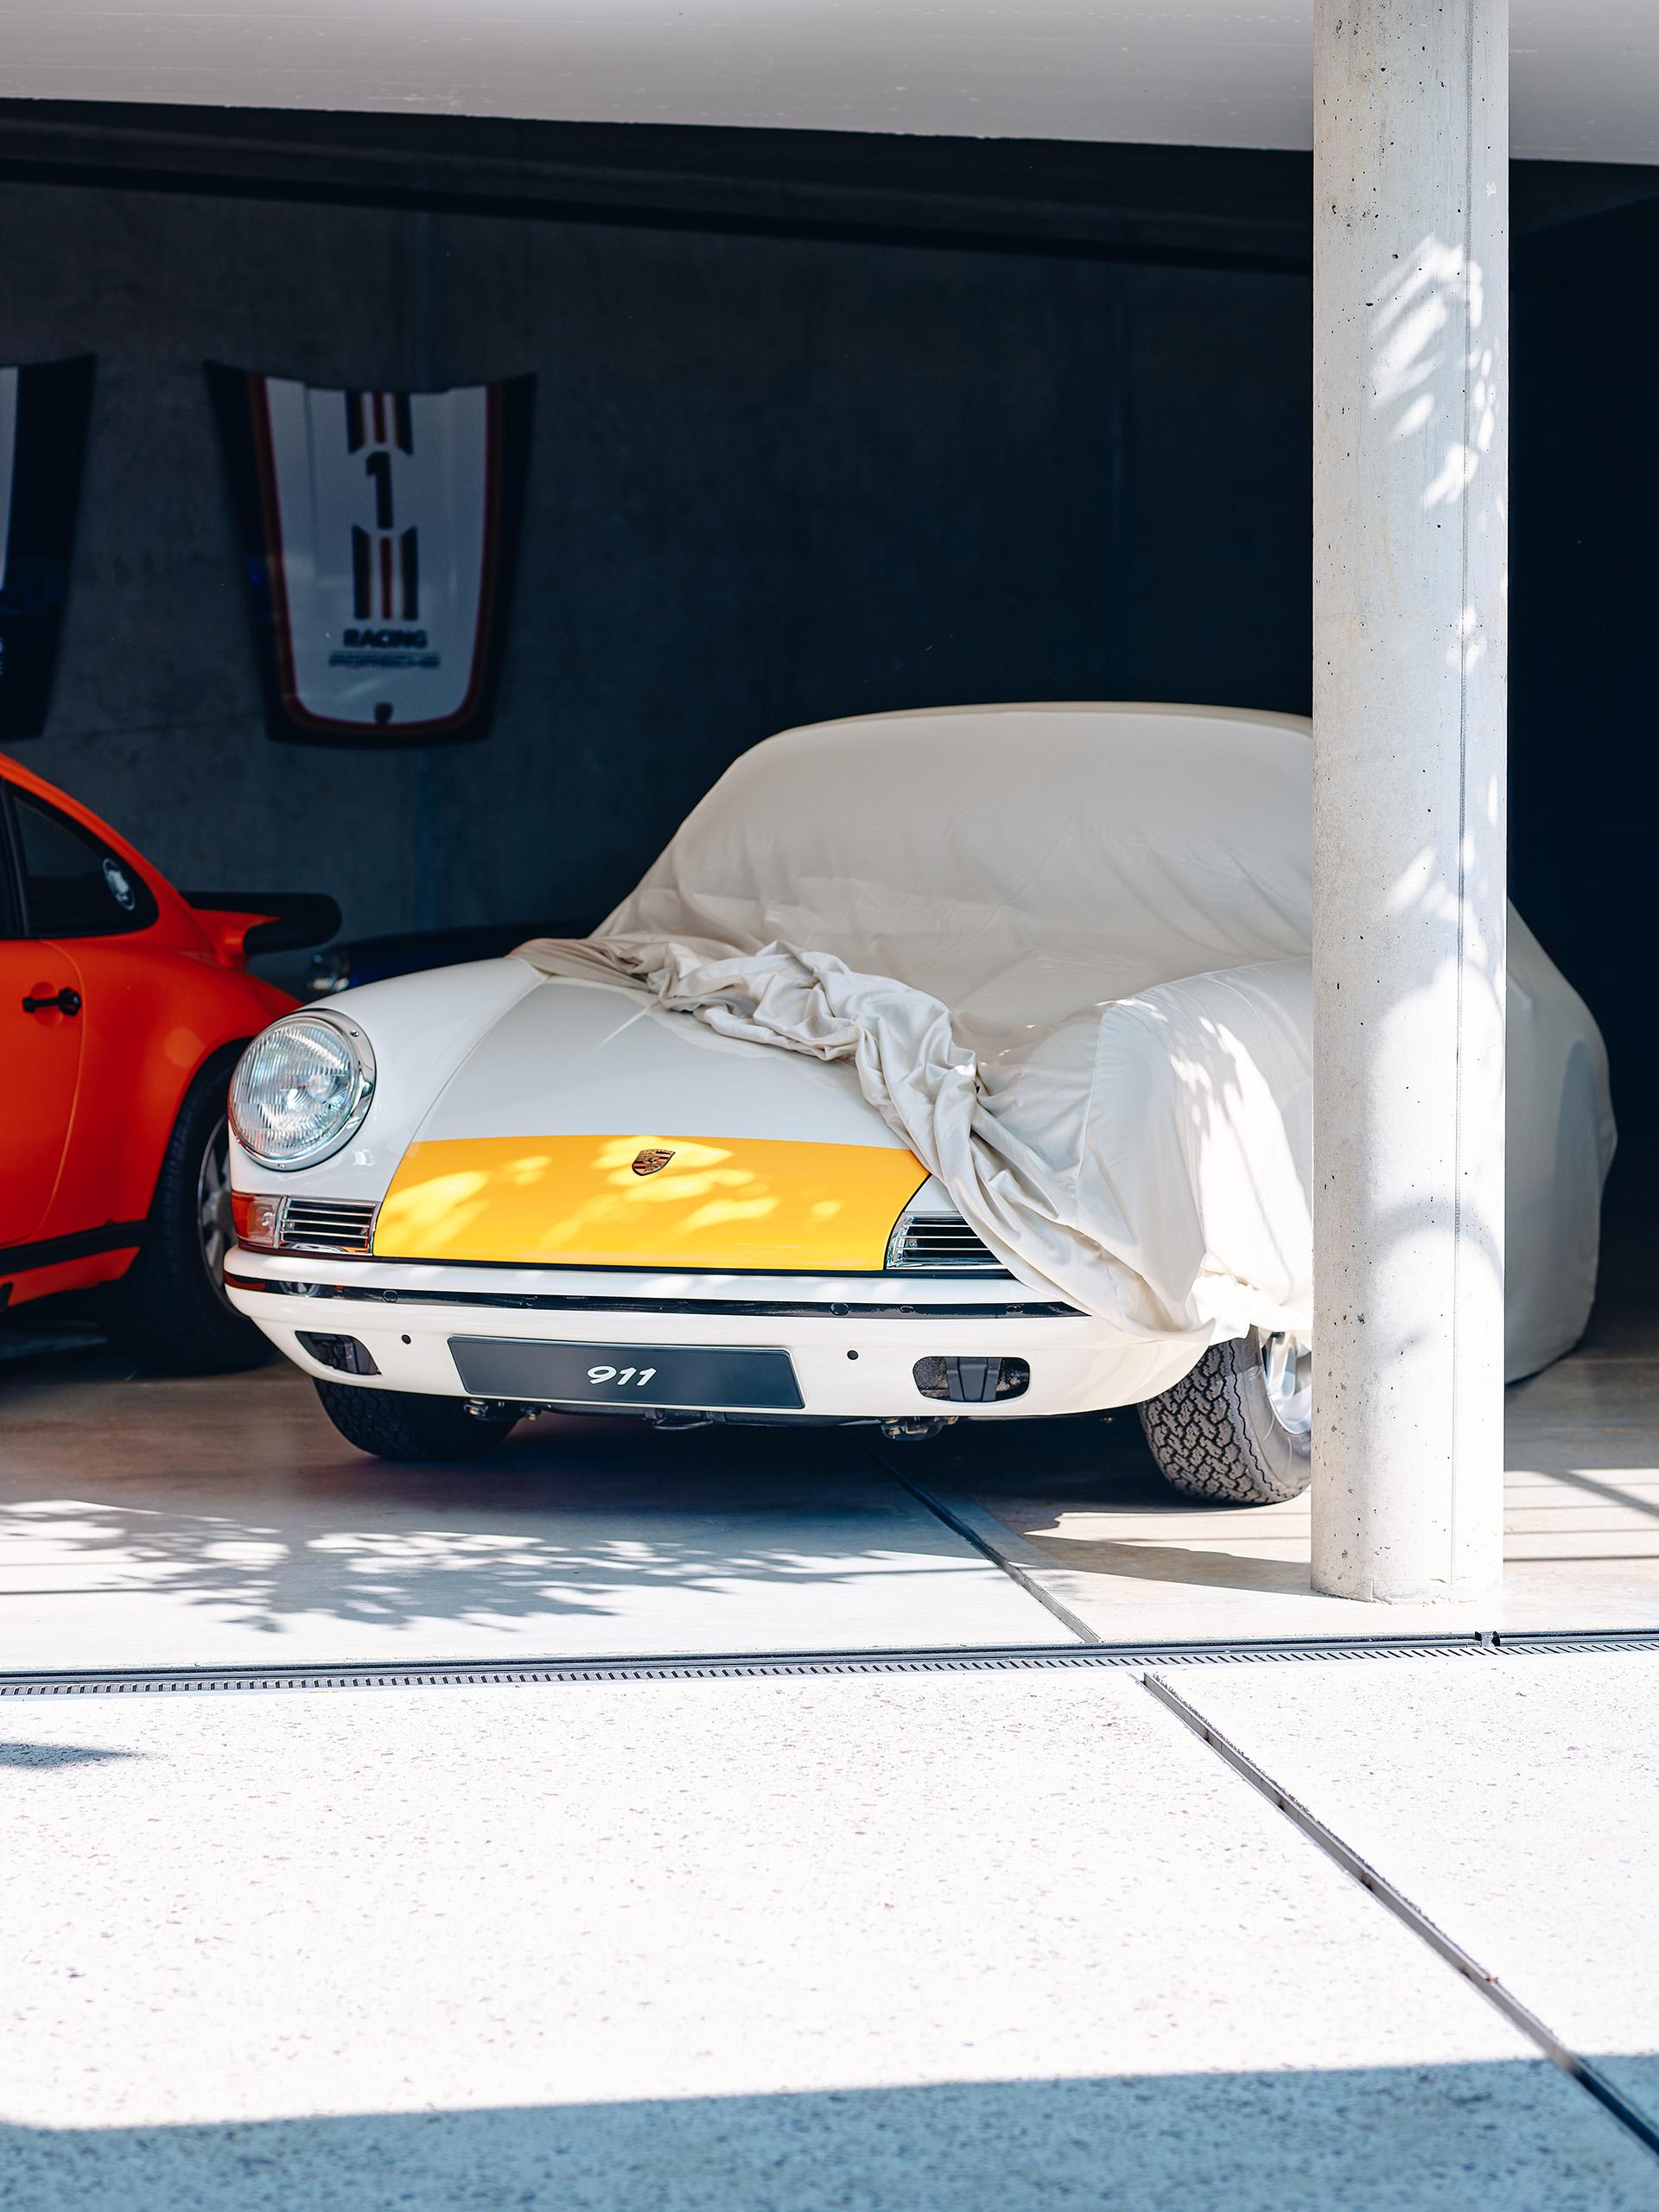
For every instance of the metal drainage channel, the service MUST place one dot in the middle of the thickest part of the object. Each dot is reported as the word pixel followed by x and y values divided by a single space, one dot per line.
pixel 740 1666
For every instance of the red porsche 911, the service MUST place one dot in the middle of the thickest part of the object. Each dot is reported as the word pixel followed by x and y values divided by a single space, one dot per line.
pixel 123 1007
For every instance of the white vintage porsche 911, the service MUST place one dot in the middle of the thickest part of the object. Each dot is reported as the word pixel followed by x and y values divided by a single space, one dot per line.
pixel 947 1066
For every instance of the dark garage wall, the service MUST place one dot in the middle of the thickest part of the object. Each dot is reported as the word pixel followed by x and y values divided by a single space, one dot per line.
pixel 1583 694
pixel 1052 444
pixel 775 479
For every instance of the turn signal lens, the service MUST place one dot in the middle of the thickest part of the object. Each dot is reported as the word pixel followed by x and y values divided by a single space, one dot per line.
pixel 257 1220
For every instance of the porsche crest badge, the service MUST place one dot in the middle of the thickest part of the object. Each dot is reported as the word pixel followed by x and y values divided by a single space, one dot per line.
pixel 650 1163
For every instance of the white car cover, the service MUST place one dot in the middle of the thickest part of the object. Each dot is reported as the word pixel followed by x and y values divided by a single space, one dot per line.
pixel 1066 949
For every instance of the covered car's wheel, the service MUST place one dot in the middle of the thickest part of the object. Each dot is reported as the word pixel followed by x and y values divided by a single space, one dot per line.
pixel 169 1310
pixel 408 1425
pixel 1237 1429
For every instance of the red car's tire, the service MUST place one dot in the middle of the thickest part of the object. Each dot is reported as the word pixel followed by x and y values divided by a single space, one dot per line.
pixel 170 1311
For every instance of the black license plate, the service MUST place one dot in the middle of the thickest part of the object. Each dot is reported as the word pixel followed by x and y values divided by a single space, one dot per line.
pixel 700 1378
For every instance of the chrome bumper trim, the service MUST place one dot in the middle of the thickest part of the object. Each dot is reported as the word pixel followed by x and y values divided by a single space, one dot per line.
pixel 544 1302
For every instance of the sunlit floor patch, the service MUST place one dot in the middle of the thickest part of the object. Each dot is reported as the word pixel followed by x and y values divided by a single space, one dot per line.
pixel 1082 1511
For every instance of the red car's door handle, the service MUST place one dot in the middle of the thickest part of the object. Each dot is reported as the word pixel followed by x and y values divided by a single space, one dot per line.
pixel 63 1001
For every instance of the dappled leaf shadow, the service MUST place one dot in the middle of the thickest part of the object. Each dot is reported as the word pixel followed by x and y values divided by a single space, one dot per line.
pixel 562 1524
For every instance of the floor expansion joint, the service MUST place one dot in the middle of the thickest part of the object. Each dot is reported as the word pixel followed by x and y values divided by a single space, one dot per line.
pixel 1584 2071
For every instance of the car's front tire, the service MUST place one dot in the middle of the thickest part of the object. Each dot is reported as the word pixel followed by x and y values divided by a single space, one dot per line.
pixel 169 1311
pixel 1236 1430
pixel 408 1425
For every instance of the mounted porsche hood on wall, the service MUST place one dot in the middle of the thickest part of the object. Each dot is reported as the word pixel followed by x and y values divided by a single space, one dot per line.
pixel 380 531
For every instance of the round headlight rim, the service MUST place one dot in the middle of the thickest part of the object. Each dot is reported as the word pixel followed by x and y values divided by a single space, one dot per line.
pixel 362 1060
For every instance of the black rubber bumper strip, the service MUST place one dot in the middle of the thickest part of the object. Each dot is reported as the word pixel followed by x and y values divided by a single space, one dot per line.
pixel 555 1302
pixel 53 1251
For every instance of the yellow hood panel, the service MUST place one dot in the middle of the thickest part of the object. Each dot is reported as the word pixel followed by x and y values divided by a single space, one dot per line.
pixel 576 1201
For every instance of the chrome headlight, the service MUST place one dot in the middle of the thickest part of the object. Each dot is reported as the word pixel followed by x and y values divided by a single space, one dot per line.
pixel 300 1090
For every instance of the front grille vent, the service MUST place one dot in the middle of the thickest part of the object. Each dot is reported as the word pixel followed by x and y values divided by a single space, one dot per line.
pixel 944 1241
pixel 326 1224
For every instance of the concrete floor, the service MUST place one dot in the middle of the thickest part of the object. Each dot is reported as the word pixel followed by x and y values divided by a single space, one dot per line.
pixel 219 1522
pixel 1084 1514
pixel 1516 1802
pixel 998 1942
pixel 988 1943
pixel 155 1522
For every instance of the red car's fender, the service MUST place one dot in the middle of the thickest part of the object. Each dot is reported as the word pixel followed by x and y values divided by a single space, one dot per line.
pixel 157 1004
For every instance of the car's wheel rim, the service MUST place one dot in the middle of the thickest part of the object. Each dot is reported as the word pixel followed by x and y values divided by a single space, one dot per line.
pixel 213 1223
pixel 1288 1371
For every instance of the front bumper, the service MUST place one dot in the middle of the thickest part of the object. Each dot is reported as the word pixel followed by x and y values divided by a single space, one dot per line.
pixel 853 1340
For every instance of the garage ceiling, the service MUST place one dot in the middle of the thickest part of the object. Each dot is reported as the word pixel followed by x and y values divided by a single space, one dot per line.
pixel 1220 73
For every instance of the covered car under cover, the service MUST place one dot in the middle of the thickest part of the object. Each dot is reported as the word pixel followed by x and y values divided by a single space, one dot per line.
pixel 1067 950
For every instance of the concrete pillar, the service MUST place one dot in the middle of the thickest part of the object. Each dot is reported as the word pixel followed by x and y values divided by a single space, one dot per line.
pixel 1410 500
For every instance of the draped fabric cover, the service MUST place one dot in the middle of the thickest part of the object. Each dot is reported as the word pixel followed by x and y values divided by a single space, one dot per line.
pixel 1066 951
